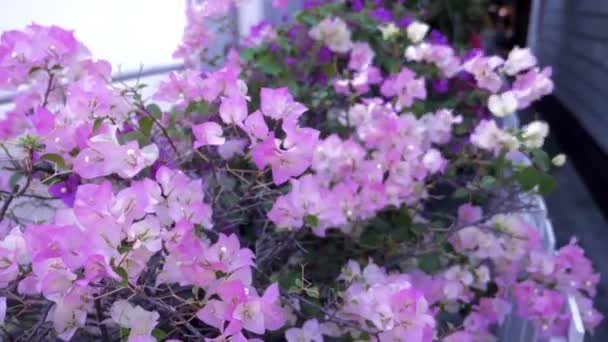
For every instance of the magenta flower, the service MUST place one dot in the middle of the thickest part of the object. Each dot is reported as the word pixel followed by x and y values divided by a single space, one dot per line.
pixel 66 190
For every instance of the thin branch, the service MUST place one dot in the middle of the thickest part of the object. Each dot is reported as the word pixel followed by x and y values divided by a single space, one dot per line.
pixel 162 128
pixel 102 327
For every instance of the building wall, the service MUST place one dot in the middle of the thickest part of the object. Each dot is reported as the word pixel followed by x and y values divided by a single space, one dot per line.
pixel 572 37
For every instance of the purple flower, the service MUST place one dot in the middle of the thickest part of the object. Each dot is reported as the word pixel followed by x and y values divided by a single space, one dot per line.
pixel 471 54
pixel 383 14
pixel 324 55
pixel 127 128
pixel 356 5
pixel 294 31
pixel 441 86
pixel 404 22
pixel 66 190
pixel 437 38
pixel 290 60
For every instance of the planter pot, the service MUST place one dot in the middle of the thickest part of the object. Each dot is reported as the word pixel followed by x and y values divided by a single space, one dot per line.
pixel 518 329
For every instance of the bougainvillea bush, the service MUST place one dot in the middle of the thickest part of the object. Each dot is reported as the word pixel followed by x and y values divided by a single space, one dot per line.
pixel 344 177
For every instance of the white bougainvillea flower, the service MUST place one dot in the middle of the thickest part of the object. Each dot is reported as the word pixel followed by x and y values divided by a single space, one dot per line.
pixel 416 31
pixel 534 134
pixel 503 104
pixel 519 60
pixel 334 33
pixel 139 321
pixel 559 160
pixel 389 30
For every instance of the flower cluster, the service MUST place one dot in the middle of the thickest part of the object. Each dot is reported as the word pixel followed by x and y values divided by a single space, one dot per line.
pixel 513 248
pixel 393 306
pixel 353 151
pixel 386 163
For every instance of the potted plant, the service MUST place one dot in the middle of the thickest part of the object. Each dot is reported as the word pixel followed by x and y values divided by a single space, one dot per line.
pixel 339 178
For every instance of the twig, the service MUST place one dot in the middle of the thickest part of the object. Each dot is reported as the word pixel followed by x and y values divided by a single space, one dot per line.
pixel 102 327
pixel 170 310
pixel 49 87
pixel 162 128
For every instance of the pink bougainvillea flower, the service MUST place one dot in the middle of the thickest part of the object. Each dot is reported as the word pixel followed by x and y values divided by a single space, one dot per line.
pixel 233 109
pixel 468 213
pixel 256 127
pixel 208 133
pixel 361 56
pixel 405 87
pixel 279 104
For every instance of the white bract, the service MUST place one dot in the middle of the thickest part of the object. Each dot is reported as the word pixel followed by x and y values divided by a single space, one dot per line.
pixel 519 60
pixel 416 31
pixel 334 33
pixel 503 104
pixel 534 134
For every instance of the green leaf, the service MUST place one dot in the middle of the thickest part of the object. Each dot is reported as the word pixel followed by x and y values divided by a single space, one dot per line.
pixel 154 110
pixel 403 219
pixel 97 124
pixel 527 178
pixel 134 135
pixel 15 178
pixel 195 291
pixel 371 239
pixel 306 18
pixel 197 107
pixel 429 263
pixel 123 275
pixel 312 291
pixel 420 228
pixel 124 333
pixel 487 182
pixel 145 125
pixel 55 158
pixel 312 221
pixel 530 178
pixel 159 334
pixel 288 280
pixel 247 54
pixel 269 64
pixel 123 249
pixel 541 159
pixel 460 193
pixel 547 184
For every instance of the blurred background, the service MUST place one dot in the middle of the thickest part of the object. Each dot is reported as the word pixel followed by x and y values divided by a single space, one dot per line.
pixel 139 36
